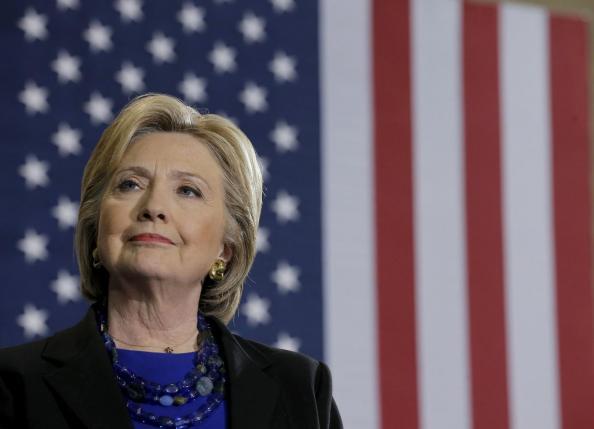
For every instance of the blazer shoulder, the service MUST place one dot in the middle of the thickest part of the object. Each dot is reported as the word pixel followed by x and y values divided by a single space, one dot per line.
pixel 292 368
pixel 33 356
pixel 23 357
pixel 302 377
pixel 278 357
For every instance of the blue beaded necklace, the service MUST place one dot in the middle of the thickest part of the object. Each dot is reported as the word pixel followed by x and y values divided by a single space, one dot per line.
pixel 206 379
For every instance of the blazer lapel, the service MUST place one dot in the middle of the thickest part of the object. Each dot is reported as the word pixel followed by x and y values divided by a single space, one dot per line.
pixel 83 377
pixel 253 394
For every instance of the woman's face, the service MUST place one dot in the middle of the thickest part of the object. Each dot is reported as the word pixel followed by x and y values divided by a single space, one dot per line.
pixel 163 215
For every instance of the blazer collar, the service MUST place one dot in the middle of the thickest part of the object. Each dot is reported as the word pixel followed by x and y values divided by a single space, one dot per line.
pixel 253 393
pixel 83 368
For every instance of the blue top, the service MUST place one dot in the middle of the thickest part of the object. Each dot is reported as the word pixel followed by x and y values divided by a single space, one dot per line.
pixel 166 368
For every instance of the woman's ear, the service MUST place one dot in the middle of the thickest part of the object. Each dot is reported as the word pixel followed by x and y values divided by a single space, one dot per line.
pixel 226 253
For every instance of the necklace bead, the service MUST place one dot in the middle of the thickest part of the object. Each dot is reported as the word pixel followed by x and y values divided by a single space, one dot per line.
pixel 171 388
pixel 166 400
pixel 204 386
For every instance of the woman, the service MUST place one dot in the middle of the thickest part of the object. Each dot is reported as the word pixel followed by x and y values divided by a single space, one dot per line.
pixel 166 232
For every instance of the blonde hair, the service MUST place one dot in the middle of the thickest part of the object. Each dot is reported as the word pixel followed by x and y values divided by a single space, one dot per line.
pixel 242 180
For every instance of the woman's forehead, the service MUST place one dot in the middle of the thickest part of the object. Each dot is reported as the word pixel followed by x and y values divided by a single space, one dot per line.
pixel 174 150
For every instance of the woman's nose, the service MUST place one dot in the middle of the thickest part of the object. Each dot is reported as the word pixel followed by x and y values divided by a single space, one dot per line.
pixel 152 214
pixel 153 207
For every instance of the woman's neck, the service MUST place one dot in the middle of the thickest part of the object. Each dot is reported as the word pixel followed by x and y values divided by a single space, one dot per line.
pixel 154 321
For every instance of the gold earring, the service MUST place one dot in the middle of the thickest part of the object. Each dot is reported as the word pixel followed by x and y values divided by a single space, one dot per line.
pixel 217 271
pixel 96 261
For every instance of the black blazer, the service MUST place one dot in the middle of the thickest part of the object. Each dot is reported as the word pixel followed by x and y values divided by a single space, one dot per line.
pixel 66 381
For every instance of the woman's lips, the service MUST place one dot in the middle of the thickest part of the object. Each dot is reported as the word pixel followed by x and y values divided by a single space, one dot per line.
pixel 151 238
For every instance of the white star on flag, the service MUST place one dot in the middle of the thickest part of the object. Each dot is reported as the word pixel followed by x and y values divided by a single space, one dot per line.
pixel 67 67
pixel 222 58
pixel 281 6
pixel 66 212
pixel 284 137
pixel 262 240
pixel 33 321
pixel 252 28
pixel 130 10
pixel 283 67
pixel 286 207
pixel 67 140
pixel 191 18
pixel 34 246
pixel 286 342
pixel 67 4
pixel 66 287
pixel 193 88
pixel 161 48
pixel 33 25
pixel 264 163
pixel 253 98
pixel 256 310
pixel 34 172
pixel 130 78
pixel 286 277
pixel 98 108
pixel 98 36
pixel 34 98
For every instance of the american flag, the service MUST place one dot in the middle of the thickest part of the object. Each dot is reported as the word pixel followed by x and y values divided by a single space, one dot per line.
pixel 426 227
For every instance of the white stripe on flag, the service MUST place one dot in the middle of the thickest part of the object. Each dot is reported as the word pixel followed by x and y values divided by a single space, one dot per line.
pixel 348 209
pixel 528 239
pixel 440 264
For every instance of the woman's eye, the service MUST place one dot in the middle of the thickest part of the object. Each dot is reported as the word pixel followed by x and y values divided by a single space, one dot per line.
pixel 189 191
pixel 127 185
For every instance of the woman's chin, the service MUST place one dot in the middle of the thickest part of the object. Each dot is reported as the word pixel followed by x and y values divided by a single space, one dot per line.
pixel 146 269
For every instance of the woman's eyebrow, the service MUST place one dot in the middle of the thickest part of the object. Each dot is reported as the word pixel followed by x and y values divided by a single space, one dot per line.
pixel 175 174
pixel 141 171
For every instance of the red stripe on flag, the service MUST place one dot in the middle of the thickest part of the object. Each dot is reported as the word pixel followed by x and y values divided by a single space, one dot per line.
pixel 569 60
pixel 394 214
pixel 484 218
